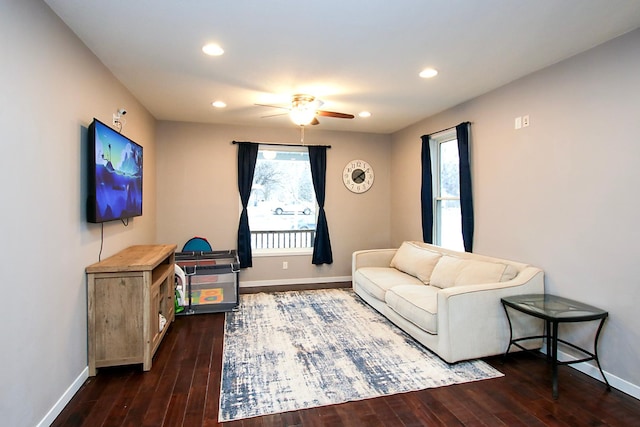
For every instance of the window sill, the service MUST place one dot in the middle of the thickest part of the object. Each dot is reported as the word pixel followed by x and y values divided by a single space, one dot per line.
pixel 281 252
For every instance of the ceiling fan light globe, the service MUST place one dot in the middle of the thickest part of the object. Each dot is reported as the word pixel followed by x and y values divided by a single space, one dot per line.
pixel 302 116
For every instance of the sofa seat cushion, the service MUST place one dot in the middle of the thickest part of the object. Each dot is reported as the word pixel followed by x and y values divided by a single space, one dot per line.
pixel 416 303
pixel 454 271
pixel 376 281
pixel 415 260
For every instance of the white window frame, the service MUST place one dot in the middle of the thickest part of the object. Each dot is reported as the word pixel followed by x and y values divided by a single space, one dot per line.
pixel 437 140
pixel 274 252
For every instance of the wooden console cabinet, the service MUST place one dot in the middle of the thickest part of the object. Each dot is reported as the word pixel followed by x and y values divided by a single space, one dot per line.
pixel 127 294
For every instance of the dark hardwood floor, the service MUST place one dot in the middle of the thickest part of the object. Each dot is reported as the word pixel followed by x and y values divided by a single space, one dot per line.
pixel 183 387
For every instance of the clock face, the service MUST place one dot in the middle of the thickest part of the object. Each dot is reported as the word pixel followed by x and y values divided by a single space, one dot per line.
pixel 358 176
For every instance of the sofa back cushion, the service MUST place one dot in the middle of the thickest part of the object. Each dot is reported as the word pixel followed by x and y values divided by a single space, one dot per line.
pixel 417 261
pixel 453 271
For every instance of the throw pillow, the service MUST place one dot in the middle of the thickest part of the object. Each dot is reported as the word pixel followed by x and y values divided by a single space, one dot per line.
pixel 415 260
pixel 452 271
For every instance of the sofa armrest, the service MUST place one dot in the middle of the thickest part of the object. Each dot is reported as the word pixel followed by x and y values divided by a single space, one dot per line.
pixel 372 258
pixel 472 321
pixel 529 277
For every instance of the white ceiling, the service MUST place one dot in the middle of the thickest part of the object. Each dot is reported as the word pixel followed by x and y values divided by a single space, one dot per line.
pixel 354 55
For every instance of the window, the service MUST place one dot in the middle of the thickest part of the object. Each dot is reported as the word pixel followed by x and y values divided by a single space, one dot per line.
pixel 447 214
pixel 282 206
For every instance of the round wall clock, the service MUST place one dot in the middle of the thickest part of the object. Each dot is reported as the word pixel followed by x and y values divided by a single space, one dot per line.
pixel 358 176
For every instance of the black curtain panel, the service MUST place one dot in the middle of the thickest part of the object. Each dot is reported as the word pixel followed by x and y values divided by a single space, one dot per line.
pixel 466 198
pixel 426 193
pixel 247 156
pixel 322 244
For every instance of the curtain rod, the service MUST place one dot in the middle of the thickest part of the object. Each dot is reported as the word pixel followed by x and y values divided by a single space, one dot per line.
pixel 282 144
pixel 449 128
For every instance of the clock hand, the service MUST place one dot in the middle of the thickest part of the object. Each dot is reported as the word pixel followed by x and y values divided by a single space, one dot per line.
pixel 360 176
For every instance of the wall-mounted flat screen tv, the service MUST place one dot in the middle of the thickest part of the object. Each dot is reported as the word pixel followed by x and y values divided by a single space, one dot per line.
pixel 115 175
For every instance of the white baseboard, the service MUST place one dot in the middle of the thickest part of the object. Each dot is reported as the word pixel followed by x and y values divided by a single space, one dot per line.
pixel 64 399
pixel 302 281
pixel 592 370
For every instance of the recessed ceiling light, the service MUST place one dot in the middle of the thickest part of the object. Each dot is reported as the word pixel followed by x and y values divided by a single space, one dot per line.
pixel 212 49
pixel 219 104
pixel 427 73
pixel 364 114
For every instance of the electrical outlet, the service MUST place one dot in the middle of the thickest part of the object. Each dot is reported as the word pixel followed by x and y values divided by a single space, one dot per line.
pixel 518 123
pixel 285 265
pixel 525 121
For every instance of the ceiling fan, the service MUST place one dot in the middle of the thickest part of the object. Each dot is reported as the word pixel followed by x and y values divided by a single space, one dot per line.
pixel 304 109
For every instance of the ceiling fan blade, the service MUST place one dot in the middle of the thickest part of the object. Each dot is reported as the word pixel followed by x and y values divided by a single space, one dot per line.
pixel 334 114
pixel 273 106
pixel 273 115
pixel 315 121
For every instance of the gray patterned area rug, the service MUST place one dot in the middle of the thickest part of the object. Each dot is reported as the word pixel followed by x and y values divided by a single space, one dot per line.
pixel 287 351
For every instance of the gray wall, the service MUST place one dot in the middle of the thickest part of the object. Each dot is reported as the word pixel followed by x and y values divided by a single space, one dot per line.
pixel 198 195
pixel 559 194
pixel 51 87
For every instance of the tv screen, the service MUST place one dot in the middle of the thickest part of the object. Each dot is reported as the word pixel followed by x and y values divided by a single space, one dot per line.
pixel 115 175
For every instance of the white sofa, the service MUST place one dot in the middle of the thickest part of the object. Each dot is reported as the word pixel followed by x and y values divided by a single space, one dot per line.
pixel 447 300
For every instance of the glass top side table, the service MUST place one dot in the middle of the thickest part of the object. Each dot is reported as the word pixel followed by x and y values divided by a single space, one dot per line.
pixel 555 310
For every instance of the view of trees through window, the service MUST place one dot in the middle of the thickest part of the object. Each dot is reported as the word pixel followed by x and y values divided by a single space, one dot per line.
pixel 282 206
pixel 448 218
